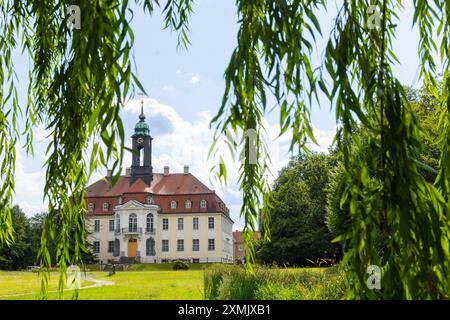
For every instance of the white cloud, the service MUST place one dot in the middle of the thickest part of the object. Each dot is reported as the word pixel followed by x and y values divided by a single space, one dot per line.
pixel 192 77
pixel 29 185
pixel 195 78
pixel 178 142
pixel 168 88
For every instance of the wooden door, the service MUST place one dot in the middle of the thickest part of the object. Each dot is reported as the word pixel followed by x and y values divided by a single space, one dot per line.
pixel 132 247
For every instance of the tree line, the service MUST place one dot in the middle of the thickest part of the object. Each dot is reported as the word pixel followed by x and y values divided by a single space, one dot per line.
pixel 309 219
pixel 23 251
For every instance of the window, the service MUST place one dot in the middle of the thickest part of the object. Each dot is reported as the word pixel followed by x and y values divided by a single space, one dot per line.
pixel 211 245
pixel 132 223
pixel 96 246
pixel 211 223
pixel 150 247
pixel 173 204
pixel 110 246
pixel 180 224
pixel 203 204
pixel 165 224
pixel 148 200
pixel 97 226
pixel 105 206
pixel 195 260
pixel 180 245
pixel 188 204
pixel 165 245
pixel 111 225
pixel 195 245
pixel 91 207
pixel 240 247
pixel 195 224
pixel 150 222
pixel 117 223
pixel 116 248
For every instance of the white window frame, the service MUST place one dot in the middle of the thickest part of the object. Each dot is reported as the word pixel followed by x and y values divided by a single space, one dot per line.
pixel 150 226
pixel 105 206
pixel 180 223
pixel 165 223
pixel 213 246
pixel 203 204
pixel 195 226
pixel 173 204
pixel 96 223
pixel 211 222
pixel 180 245
pixel 96 245
pixel 195 247
pixel 188 204
pixel 112 223
pixel 165 248
pixel 109 246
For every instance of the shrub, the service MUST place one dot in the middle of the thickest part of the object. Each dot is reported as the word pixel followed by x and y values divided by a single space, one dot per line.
pixel 232 283
pixel 180 265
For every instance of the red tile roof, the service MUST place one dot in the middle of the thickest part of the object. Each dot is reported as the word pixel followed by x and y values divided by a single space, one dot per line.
pixel 174 183
pixel 177 187
pixel 237 236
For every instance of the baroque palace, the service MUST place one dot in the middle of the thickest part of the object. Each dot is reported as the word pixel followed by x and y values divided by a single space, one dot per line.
pixel 156 217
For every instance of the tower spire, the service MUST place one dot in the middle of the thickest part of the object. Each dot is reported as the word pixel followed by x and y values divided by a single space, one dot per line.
pixel 142 116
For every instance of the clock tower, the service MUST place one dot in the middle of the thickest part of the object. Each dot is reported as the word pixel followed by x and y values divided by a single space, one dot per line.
pixel 141 165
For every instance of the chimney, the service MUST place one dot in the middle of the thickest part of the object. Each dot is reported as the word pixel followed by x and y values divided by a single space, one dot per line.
pixel 186 169
pixel 128 172
pixel 166 170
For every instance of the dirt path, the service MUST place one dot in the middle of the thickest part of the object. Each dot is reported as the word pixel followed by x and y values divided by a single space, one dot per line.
pixel 97 283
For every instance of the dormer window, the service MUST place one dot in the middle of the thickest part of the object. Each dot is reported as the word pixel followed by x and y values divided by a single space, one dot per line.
pixel 105 206
pixel 173 204
pixel 188 204
pixel 91 207
pixel 203 204
pixel 148 200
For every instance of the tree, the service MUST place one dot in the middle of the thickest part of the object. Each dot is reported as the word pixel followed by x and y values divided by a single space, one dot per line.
pixel 17 255
pixel 299 236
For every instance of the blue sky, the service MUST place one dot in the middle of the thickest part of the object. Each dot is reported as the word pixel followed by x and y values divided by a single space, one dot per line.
pixel 185 88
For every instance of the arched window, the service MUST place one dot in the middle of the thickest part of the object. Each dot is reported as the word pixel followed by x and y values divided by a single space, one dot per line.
pixel 173 204
pixel 150 247
pixel 148 200
pixel 105 206
pixel 117 223
pixel 188 204
pixel 149 222
pixel 203 204
pixel 132 223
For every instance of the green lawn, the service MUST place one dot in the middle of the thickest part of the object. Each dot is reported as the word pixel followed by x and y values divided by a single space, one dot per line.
pixel 141 282
pixel 129 285
pixel 23 282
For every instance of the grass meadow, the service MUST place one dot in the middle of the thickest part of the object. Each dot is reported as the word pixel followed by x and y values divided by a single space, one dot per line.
pixel 160 282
